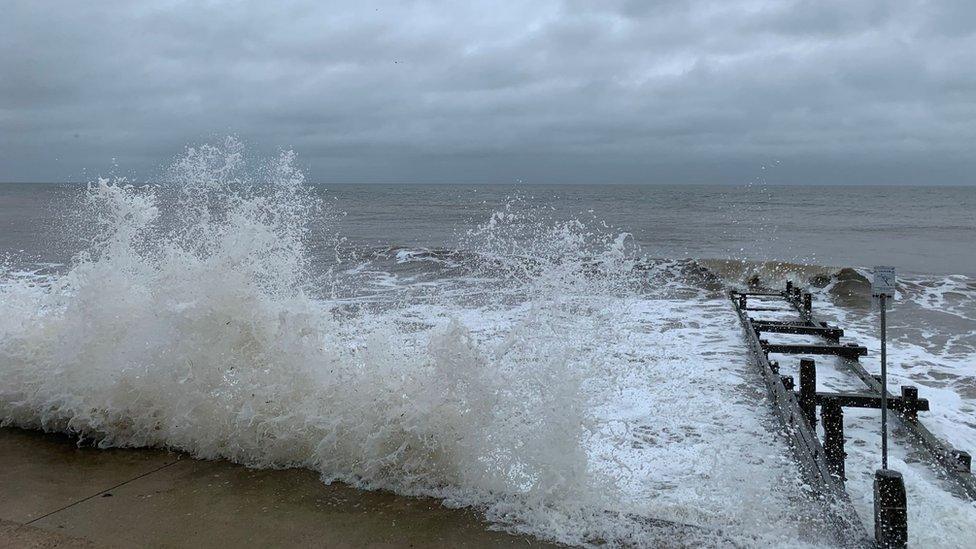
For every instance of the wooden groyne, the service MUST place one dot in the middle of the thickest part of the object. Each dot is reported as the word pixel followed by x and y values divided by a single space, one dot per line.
pixel 822 463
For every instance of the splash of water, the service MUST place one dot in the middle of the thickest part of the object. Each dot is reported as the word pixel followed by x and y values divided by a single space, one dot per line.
pixel 188 324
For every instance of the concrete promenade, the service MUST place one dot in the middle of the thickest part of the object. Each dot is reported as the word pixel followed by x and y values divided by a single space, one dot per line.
pixel 54 494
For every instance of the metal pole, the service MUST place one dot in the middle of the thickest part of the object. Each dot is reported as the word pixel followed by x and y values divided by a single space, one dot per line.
pixel 884 386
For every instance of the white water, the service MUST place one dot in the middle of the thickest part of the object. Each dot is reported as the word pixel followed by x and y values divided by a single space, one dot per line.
pixel 556 391
pixel 939 514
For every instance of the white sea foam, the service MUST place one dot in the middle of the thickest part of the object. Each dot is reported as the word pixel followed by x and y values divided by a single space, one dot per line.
pixel 920 353
pixel 187 325
pixel 550 384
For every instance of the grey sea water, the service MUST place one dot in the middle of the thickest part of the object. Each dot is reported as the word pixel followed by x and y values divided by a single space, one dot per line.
pixel 540 353
pixel 921 230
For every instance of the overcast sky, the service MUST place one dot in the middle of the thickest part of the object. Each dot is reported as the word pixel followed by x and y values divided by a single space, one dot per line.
pixel 837 91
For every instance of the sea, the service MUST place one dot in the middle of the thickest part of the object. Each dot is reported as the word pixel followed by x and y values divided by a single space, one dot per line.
pixel 562 359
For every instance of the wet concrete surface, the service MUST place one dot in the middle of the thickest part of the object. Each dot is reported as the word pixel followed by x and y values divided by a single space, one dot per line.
pixel 20 536
pixel 151 498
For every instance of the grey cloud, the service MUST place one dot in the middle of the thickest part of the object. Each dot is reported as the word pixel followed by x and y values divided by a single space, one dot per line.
pixel 830 18
pixel 616 91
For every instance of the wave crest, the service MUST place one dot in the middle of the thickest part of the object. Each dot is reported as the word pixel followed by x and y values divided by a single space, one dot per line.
pixel 187 324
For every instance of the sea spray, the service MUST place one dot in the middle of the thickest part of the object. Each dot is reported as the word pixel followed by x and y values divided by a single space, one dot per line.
pixel 187 324
pixel 543 370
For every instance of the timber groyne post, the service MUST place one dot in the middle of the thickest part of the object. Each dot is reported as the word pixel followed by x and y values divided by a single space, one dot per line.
pixel 823 464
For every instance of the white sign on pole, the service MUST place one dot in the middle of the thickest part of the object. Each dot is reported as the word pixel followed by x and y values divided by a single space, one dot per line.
pixel 884 282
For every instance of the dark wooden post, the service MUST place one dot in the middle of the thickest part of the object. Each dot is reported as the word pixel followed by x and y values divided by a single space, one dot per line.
pixel 789 288
pixel 742 302
pixel 787 382
pixel 774 366
pixel 832 416
pixel 808 390
pixel 890 510
pixel 808 302
pixel 909 402
pixel 963 459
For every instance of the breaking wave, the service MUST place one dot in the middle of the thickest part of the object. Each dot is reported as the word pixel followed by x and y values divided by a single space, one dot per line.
pixel 192 322
pixel 544 371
